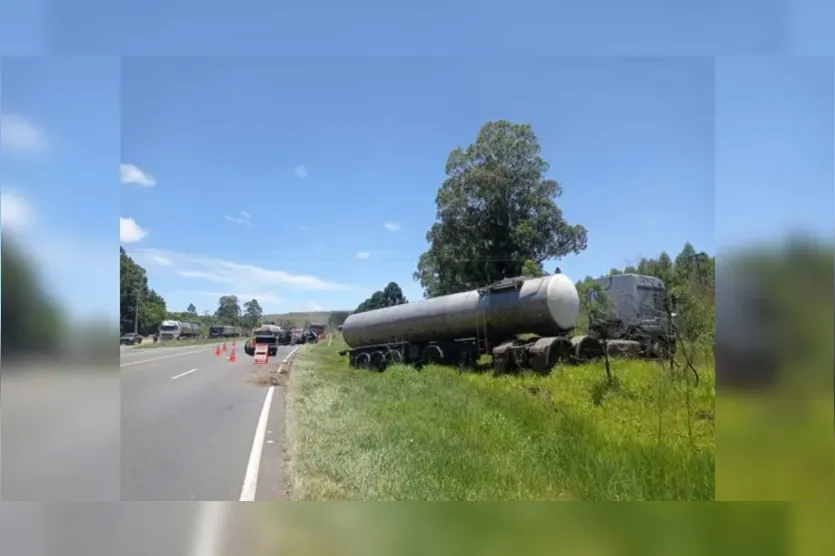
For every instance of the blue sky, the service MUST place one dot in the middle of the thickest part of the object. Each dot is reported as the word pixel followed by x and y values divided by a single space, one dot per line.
pixel 661 144
pixel 431 27
pixel 226 136
pixel 60 149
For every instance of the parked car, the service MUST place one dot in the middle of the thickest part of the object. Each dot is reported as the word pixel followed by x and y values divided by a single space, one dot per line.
pixel 130 339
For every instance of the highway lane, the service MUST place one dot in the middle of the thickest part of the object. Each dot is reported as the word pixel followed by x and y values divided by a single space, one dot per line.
pixel 188 421
pixel 134 529
pixel 130 354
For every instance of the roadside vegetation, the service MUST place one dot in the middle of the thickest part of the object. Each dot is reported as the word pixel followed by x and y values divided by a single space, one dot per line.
pixel 622 430
pixel 441 434
pixel 136 293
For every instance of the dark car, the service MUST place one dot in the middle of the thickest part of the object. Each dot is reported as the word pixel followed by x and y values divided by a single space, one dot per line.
pixel 130 339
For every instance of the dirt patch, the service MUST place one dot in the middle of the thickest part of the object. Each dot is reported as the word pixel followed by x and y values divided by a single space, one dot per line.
pixel 271 374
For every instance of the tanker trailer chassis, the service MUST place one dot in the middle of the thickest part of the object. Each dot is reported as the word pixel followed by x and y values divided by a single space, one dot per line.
pixel 456 352
pixel 539 354
pixel 521 322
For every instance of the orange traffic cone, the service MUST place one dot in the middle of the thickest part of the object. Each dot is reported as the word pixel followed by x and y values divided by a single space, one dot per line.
pixel 232 358
pixel 217 351
pixel 224 346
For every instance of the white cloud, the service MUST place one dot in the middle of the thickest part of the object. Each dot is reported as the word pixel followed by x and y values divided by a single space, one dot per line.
pixel 130 173
pixel 301 171
pixel 162 261
pixel 130 231
pixel 364 255
pixel 19 134
pixel 16 214
pixel 244 219
pixel 313 306
pixel 392 226
pixel 246 277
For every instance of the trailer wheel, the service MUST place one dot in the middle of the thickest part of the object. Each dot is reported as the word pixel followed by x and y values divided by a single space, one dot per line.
pixel 378 361
pixel 393 357
pixel 362 360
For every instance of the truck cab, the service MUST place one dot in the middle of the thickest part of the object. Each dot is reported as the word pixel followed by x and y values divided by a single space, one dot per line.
pixel 639 310
pixel 170 330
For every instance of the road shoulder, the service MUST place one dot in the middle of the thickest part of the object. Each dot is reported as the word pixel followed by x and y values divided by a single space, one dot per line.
pixel 273 483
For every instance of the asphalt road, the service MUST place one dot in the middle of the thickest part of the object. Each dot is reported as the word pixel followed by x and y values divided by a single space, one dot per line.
pixel 189 427
pixel 183 431
pixel 187 529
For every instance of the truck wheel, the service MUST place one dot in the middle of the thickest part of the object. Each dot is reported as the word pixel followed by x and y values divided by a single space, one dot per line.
pixel 362 360
pixel 378 361
pixel 393 357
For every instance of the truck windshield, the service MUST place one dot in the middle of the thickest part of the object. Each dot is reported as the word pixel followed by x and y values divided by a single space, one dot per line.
pixel 167 328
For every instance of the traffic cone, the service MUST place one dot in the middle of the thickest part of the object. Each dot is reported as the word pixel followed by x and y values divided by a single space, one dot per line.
pixel 232 357
pixel 217 351
pixel 224 346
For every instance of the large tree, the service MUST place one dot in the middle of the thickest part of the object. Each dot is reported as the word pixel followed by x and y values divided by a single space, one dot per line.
pixel 497 214
pixel 228 310
pixel 133 288
pixel 391 295
pixel 252 313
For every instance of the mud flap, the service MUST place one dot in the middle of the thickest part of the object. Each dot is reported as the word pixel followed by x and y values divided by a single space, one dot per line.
pixel 501 357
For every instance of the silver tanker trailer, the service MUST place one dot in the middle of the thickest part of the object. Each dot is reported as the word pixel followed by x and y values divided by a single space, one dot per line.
pixel 458 328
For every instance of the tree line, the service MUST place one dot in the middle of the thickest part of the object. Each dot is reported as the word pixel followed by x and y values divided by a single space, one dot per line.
pixel 689 279
pixel 135 293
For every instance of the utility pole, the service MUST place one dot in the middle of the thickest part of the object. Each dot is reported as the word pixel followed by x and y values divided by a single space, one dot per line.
pixel 136 309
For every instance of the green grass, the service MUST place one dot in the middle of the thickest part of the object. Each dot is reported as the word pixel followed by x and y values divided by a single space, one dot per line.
pixel 150 344
pixel 438 434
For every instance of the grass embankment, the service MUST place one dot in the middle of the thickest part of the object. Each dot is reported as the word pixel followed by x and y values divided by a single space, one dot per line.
pixel 438 434
pixel 150 344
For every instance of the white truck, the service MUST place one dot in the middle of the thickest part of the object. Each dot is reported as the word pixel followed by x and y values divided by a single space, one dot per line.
pixel 176 330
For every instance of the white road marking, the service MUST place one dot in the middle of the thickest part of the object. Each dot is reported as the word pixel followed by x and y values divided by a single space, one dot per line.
pixel 183 374
pixel 251 477
pixel 252 467
pixel 163 357
pixel 208 531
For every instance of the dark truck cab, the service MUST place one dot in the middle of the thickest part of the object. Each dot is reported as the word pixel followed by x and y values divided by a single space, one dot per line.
pixel 267 334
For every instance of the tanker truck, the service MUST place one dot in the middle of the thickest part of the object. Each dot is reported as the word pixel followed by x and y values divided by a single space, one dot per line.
pixel 459 328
